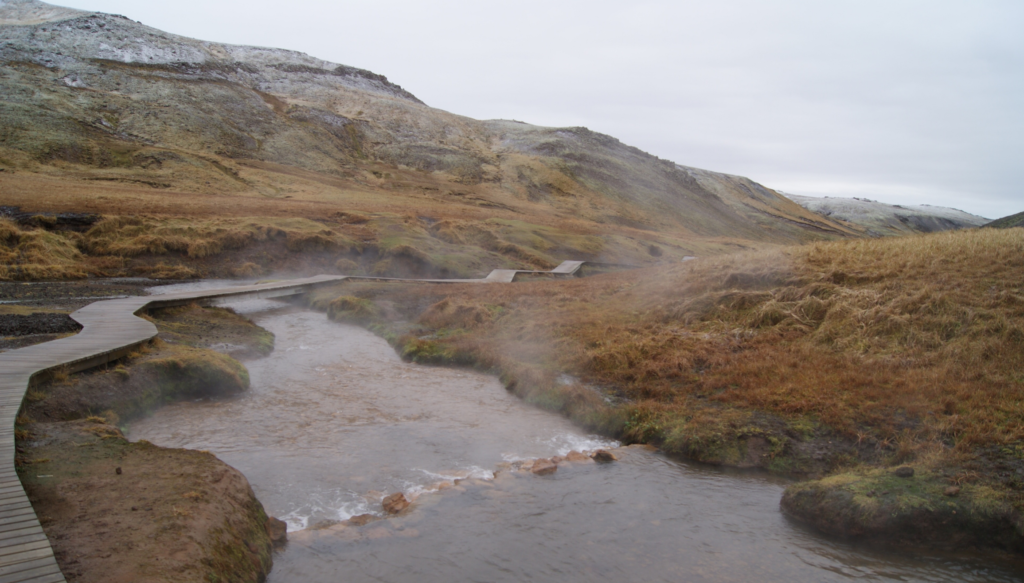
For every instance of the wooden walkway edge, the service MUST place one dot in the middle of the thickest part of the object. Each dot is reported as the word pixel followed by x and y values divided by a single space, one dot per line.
pixel 110 330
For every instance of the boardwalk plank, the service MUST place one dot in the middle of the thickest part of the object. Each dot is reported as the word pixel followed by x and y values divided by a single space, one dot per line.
pixel 19 523
pixel 34 574
pixel 25 566
pixel 55 578
pixel 23 546
pixel 44 552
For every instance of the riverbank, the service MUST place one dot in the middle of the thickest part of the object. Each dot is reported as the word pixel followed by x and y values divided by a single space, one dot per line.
pixel 114 510
pixel 120 512
pixel 825 361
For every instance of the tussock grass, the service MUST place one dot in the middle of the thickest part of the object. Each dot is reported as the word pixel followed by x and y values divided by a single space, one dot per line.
pixel 165 248
pixel 36 254
pixel 132 236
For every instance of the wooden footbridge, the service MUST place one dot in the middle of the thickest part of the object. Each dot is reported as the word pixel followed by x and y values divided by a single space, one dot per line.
pixel 110 330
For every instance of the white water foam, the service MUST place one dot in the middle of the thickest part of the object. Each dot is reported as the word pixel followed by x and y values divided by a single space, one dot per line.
pixel 436 479
pixel 563 443
pixel 299 518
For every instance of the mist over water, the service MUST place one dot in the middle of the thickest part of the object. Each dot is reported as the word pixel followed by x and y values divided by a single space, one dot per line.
pixel 334 420
pixel 334 414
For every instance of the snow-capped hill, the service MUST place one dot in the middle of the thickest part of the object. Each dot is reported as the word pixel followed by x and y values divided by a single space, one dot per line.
pixel 75 41
pixel 881 219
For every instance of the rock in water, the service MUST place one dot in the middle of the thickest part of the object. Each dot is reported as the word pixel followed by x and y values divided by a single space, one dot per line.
pixel 575 456
pixel 904 472
pixel 395 503
pixel 278 530
pixel 362 519
pixel 604 456
pixel 544 467
pixel 323 524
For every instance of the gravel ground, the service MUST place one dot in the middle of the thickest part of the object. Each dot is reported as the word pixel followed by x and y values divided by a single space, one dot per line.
pixel 21 325
pixel 72 295
pixel 36 323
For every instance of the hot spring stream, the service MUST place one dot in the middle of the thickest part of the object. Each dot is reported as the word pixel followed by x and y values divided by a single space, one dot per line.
pixel 334 420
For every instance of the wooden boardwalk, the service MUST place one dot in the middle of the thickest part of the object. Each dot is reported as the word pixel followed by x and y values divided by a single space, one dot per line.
pixel 110 330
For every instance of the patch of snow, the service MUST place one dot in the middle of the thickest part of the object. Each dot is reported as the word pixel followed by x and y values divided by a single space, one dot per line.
pixel 30 12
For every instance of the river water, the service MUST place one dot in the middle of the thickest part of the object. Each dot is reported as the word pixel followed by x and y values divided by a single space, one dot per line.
pixel 334 421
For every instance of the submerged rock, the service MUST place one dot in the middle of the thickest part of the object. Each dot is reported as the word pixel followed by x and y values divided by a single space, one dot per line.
pixel 361 519
pixel 277 530
pixel 395 503
pixel 544 467
pixel 575 456
pixel 323 524
pixel 604 456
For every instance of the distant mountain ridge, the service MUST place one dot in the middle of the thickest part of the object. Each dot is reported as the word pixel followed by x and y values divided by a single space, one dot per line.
pixel 881 219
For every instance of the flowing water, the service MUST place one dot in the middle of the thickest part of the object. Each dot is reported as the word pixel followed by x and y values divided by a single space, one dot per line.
pixel 335 420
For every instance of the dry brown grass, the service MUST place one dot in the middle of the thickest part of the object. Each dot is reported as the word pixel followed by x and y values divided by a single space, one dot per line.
pixel 908 344
pixel 37 254
pixel 132 236
pixel 157 247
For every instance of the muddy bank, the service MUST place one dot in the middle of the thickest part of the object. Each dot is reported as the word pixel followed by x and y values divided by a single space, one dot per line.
pixel 120 511
pixel 116 511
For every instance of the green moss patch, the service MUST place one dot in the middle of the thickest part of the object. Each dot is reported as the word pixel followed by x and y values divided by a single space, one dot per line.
pixel 926 507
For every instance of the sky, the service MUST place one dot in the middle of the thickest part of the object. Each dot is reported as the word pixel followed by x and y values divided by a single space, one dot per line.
pixel 901 101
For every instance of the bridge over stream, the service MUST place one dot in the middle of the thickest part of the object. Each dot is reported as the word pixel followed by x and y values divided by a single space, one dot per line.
pixel 111 330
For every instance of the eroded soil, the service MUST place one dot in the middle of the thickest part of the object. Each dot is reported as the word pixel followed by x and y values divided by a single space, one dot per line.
pixel 116 511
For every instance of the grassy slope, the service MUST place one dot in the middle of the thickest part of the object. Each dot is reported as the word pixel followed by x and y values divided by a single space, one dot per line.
pixel 1016 220
pixel 819 359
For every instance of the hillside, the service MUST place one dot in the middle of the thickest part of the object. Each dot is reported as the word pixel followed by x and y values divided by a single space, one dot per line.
pixel 880 219
pixel 1016 220
pixel 106 115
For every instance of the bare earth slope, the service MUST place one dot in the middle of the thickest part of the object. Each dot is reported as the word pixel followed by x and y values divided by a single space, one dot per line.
pixel 97 105
pixel 881 219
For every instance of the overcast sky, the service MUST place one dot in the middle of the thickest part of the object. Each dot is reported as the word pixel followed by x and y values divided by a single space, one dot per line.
pixel 907 102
